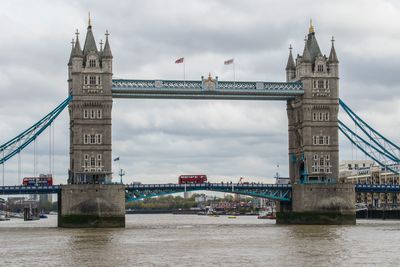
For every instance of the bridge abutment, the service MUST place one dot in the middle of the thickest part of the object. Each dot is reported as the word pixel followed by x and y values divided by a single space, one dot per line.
pixel 91 206
pixel 319 204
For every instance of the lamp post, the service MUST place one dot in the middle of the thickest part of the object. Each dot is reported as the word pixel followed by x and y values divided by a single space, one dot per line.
pixel 121 173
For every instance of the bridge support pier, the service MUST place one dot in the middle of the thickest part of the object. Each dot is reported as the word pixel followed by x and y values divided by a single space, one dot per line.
pixel 91 206
pixel 319 204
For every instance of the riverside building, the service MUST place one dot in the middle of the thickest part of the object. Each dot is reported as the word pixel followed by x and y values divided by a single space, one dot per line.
pixel 367 172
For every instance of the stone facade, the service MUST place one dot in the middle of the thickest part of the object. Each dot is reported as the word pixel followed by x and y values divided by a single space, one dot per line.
pixel 91 205
pixel 90 82
pixel 313 117
pixel 319 204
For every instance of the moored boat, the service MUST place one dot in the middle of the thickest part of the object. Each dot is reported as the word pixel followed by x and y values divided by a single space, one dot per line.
pixel 268 213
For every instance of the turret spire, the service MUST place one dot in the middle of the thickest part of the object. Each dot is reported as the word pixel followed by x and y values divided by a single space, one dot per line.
pixel 89 22
pixel 77 52
pixel 312 44
pixel 290 64
pixel 107 50
pixel 332 55
pixel 90 43
pixel 306 54
pixel 311 29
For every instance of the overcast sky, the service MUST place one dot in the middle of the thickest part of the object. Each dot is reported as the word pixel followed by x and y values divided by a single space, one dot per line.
pixel 157 140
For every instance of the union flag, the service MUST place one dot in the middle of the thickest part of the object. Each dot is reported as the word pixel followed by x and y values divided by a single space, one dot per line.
pixel 228 62
pixel 179 60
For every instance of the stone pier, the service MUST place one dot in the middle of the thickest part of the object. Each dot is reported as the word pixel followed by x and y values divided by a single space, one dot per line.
pixel 91 205
pixel 319 204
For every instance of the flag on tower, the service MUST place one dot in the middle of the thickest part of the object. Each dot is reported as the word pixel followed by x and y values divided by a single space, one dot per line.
pixel 179 60
pixel 228 62
pixel 116 159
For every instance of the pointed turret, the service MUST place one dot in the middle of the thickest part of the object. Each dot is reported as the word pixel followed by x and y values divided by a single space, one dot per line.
pixel 312 44
pixel 290 63
pixel 90 43
pixel 107 50
pixel 77 51
pixel 306 58
pixel 332 55
pixel 72 52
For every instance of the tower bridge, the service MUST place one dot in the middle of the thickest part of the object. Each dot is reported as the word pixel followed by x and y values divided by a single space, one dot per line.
pixel 311 92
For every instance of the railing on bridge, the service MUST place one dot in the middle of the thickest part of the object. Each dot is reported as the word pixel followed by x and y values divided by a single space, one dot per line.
pixel 271 191
pixel 280 192
pixel 206 89
pixel 27 190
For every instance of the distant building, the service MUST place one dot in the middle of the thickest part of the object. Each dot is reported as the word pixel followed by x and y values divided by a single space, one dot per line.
pixel 353 167
pixel 367 172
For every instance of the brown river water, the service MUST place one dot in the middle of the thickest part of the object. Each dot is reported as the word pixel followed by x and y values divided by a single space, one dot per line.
pixel 192 240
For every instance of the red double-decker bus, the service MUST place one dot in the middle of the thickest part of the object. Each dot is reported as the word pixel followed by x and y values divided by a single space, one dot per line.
pixel 192 179
pixel 42 180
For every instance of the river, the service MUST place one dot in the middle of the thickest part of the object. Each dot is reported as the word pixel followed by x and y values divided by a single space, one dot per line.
pixel 192 240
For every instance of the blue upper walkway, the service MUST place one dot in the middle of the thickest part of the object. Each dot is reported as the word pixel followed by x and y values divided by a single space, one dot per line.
pixel 206 89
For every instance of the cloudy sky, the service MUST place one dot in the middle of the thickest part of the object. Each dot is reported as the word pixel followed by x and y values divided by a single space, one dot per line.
pixel 157 140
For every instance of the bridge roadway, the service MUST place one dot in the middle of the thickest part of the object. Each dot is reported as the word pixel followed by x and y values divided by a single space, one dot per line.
pixel 141 191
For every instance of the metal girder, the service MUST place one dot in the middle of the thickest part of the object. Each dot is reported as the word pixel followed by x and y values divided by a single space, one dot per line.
pixel 25 190
pixel 18 143
pixel 271 191
pixel 374 145
pixel 377 188
pixel 367 148
pixel 205 89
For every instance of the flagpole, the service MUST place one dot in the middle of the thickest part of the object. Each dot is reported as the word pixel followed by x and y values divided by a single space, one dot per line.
pixel 184 72
pixel 234 78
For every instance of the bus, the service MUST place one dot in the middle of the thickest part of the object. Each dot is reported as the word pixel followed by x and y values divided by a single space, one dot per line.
pixel 192 179
pixel 42 180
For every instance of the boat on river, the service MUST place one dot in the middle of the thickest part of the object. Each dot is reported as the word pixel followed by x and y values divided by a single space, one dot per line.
pixel 268 213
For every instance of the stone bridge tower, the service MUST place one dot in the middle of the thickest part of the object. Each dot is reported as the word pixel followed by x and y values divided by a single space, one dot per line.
pixel 89 82
pixel 313 117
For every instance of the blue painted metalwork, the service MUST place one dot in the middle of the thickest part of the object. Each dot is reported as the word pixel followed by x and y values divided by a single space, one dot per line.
pixel 353 137
pixel 205 89
pixel 281 192
pixel 390 149
pixel 271 191
pixel 25 190
pixel 377 188
pixel 18 143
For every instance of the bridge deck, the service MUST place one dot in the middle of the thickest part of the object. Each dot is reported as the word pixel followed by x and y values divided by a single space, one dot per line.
pixel 205 89
pixel 176 188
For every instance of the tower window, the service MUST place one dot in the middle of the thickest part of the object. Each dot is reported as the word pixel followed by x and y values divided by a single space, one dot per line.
pixel 92 161
pixel 86 79
pixel 99 114
pixel 85 138
pixel 92 80
pixel 320 68
pixel 92 63
pixel 321 140
pixel 326 116
pixel 98 137
pixel 85 114
pixel 92 114
pixel 92 139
